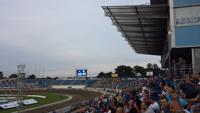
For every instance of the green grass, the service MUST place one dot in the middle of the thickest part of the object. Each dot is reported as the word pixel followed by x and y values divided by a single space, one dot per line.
pixel 51 97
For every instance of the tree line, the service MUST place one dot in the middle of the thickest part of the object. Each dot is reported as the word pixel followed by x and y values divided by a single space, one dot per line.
pixel 121 71
pixel 132 72
pixel 14 75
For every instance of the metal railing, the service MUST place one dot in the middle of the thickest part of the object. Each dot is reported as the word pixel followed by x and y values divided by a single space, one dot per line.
pixel 186 71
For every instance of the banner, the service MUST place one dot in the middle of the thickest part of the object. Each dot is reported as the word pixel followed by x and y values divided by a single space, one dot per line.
pixel 187 16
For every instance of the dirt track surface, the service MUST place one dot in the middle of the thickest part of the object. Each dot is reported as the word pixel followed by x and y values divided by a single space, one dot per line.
pixel 77 96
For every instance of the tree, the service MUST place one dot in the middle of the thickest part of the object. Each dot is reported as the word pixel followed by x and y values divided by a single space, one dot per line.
pixel 101 75
pixel 149 67
pixel 156 70
pixel 1 75
pixel 32 76
pixel 13 75
pixel 48 77
pixel 139 69
pixel 108 75
pixel 155 66
pixel 55 78
pixel 124 71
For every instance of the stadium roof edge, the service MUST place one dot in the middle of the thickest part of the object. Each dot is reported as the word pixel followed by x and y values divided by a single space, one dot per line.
pixel 143 26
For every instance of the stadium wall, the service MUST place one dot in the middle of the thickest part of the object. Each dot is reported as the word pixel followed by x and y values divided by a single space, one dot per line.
pixel 68 86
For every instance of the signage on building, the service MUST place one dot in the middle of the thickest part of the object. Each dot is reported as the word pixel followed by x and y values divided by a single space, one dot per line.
pixel 114 75
pixel 187 16
pixel 149 73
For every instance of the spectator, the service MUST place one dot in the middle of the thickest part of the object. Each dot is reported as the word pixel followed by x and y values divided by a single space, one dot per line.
pixel 132 107
pixel 149 109
pixel 175 105
pixel 120 109
pixel 164 105
pixel 143 107
pixel 154 104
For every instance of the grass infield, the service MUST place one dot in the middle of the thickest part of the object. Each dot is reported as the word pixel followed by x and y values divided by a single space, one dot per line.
pixel 51 97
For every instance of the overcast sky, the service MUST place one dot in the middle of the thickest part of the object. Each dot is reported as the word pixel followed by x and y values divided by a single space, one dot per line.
pixel 55 37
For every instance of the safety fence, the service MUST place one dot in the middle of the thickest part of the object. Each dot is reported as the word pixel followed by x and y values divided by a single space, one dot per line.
pixel 186 71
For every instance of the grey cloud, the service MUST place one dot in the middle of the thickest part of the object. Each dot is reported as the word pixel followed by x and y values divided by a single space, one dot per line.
pixel 62 35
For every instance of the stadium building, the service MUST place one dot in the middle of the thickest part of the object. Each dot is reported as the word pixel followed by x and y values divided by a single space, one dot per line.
pixel 167 28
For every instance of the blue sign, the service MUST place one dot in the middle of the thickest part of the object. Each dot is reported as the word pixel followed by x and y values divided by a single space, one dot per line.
pixel 187 36
pixel 81 72
pixel 179 3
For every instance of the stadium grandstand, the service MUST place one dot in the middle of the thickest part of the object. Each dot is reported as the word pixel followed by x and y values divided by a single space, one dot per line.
pixel 170 29
pixel 166 28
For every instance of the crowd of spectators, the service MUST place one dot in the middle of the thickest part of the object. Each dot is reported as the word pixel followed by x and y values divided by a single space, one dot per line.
pixel 150 96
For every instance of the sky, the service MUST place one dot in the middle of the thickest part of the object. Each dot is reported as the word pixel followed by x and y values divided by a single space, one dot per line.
pixel 56 37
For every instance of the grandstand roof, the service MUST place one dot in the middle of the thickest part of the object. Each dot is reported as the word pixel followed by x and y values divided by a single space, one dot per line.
pixel 143 26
